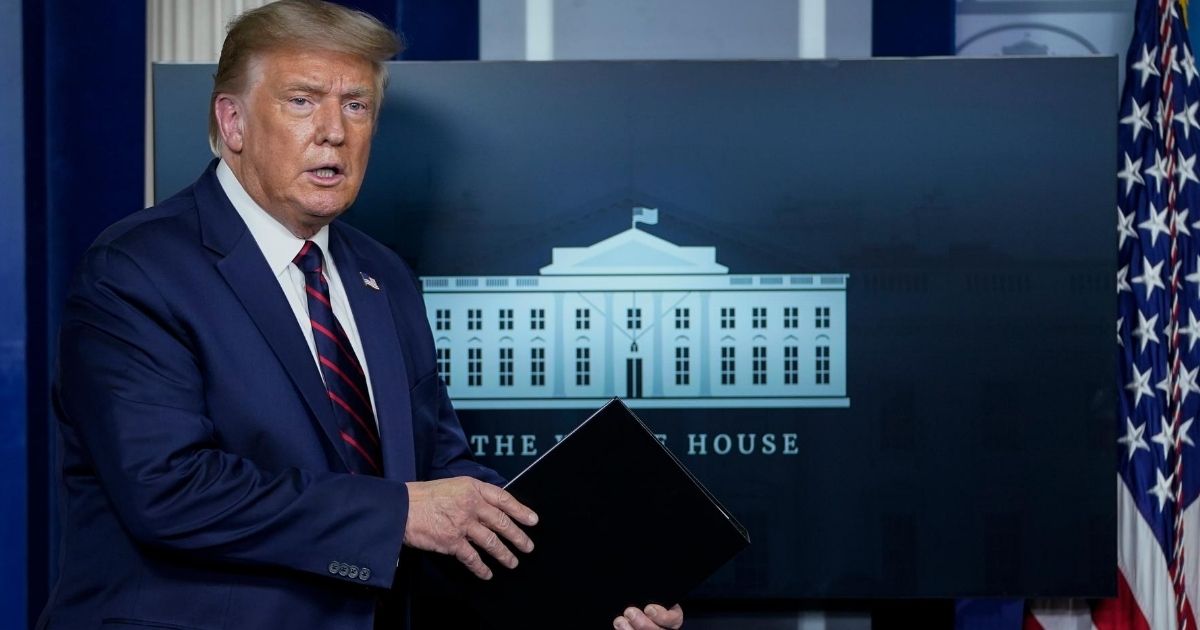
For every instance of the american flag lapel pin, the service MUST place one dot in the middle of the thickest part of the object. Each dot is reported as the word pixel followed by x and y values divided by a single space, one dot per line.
pixel 369 281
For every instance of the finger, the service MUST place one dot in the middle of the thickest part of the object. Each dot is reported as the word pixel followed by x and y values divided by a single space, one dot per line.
pixel 500 523
pixel 638 620
pixel 666 618
pixel 500 498
pixel 620 624
pixel 491 543
pixel 467 555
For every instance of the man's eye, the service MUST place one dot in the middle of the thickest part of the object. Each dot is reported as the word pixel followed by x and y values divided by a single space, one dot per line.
pixel 298 100
pixel 356 106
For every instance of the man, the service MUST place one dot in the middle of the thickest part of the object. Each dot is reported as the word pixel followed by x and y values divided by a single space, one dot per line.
pixel 254 430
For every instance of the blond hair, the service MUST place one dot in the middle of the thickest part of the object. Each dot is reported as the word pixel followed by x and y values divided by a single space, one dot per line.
pixel 290 23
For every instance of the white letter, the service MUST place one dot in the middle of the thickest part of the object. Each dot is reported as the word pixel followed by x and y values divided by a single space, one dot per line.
pixel 504 443
pixel 696 442
pixel 527 445
pixel 789 444
pixel 768 444
pixel 743 447
pixel 479 441
pixel 717 444
pixel 662 438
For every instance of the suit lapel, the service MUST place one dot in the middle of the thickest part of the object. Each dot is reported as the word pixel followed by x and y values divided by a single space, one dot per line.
pixel 384 356
pixel 247 273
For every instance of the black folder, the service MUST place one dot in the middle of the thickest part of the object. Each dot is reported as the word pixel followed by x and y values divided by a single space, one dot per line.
pixel 621 522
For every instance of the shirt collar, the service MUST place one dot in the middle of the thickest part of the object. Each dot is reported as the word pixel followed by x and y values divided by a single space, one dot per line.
pixel 277 243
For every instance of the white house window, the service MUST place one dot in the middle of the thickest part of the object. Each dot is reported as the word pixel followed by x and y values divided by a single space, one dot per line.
pixel 633 318
pixel 583 318
pixel 822 314
pixel 791 365
pixel 506 319
pixel 442 319
pixel 537 367
pixel 791 317
pixel 537 319
pixel 758 317
pixel 727 365
pixel 682 365
pixel 506 367
pixel 728 317
pixel 474 367
pixel 443 365
pixel 474 319
pixel 583 366
pixel 759 365
pixel 683 318
pixel 822 365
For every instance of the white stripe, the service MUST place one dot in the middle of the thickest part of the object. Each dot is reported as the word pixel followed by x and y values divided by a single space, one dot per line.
pixel 1191 550
pixel 1141 559
pixel 539 30
pixel 1062 614
pixel 811 29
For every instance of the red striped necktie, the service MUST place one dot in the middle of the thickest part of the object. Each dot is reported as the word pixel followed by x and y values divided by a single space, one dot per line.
pixel 345 381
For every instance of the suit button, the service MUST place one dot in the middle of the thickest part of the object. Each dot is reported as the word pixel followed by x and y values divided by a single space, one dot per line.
pixel 353 572
pixel 343 569
pixel 364 574
pixel 333 566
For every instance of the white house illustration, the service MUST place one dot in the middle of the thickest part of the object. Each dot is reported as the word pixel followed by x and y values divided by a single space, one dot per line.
pixel 635 316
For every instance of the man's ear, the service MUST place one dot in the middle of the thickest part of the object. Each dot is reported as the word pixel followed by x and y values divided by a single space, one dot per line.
pixel 231 121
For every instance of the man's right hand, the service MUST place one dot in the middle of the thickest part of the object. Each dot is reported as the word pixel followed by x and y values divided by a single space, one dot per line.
pixel 447 515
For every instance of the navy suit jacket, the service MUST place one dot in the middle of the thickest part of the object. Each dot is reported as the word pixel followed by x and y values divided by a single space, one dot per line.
pixel 204 485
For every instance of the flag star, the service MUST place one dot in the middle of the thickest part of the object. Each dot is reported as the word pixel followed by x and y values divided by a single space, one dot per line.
pixel 1156 224
pixel 1181 223
pixel 1183 432
pixel 1186 116
pixel 1123 281
pixel 1125 227
pixel 1133 438
pixel 1138 118
pixel 1145 331
pixel 1187 383
pixel 1185 169
pixel 1162 489
pixel 1140 385
pixel 1188 65
pixel 1164 385
pixel 1120 323
pixel 1151 277
pixel 1130 173
pixel 1165 437
pixel 1146 65
pixel 1192 331
pixel 1194 276
pixel 1158 171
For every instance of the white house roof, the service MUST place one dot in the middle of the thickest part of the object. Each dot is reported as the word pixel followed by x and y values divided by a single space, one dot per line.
pixel 633 252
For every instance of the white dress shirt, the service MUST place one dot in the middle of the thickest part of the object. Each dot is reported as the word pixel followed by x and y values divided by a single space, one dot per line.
pixel 279 246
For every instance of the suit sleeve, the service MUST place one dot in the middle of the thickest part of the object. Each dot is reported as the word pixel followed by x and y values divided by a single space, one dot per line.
pixel 130 393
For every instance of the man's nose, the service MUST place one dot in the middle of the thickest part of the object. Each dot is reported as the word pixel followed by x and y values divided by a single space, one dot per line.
pixel 330 127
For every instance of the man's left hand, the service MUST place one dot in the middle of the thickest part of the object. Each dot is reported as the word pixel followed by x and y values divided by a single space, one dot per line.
pixel 652 617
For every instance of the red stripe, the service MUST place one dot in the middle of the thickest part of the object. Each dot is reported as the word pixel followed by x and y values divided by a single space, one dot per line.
pixel 362 423
pixel 349 355
pixel 1120 612
pixel 317 294
pixel 334 368
pixel 349 440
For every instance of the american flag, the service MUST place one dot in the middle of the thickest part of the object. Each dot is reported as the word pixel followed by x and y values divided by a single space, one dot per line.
pixel 1157 329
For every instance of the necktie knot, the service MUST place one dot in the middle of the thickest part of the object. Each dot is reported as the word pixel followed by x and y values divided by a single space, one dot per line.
pixel 309 260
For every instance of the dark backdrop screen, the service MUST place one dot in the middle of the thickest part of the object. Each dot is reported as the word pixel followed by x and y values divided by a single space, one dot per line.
pixel 869 304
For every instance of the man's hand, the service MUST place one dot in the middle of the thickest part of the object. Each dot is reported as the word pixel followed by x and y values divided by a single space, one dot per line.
pixel 652 617
pixel 447 515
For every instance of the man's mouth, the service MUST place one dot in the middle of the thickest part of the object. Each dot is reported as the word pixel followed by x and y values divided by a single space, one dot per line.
pixel 328 174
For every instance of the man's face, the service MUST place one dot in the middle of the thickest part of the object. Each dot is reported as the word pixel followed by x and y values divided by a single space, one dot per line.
pixel 306 125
